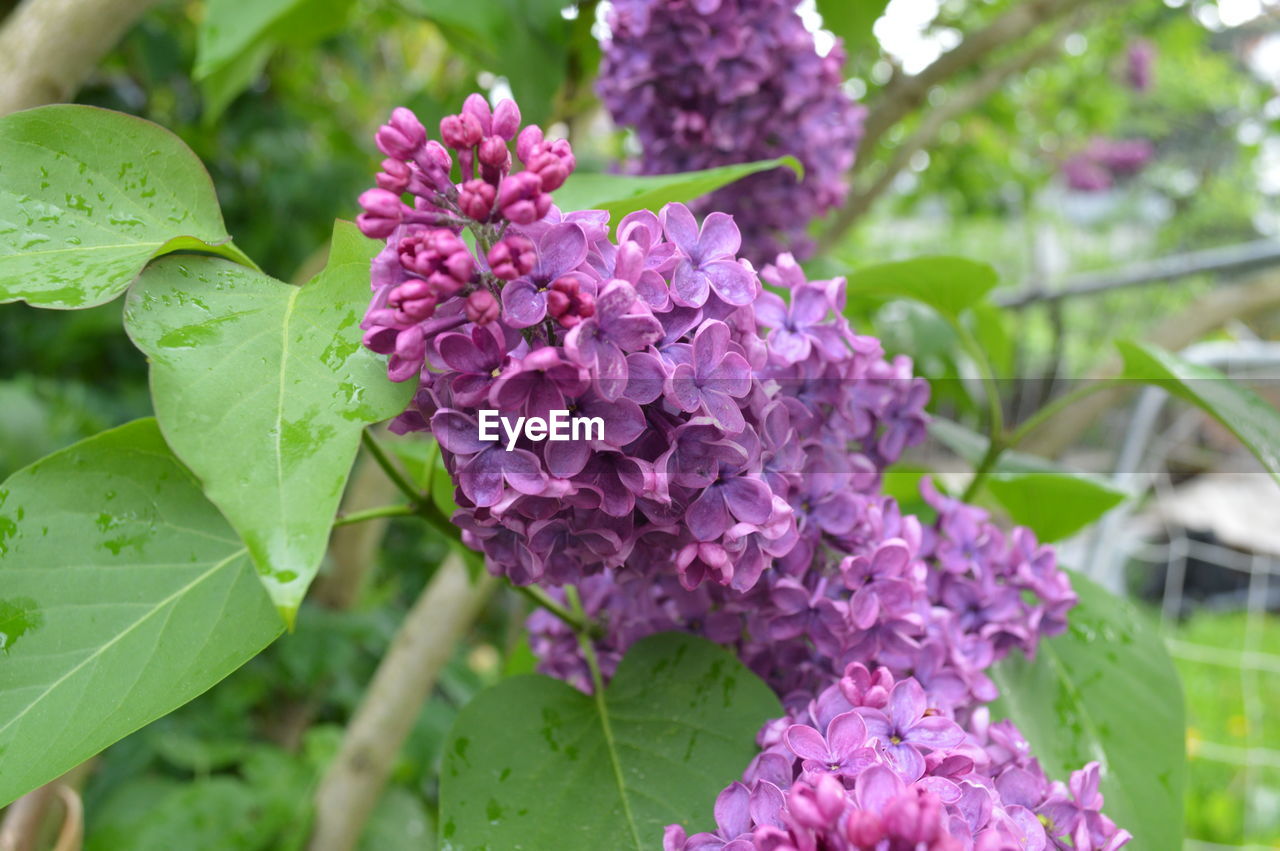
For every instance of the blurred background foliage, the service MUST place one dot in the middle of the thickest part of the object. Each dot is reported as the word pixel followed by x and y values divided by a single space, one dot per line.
pixel 283 113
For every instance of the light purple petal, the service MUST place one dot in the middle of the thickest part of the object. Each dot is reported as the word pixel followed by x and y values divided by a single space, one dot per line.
pixel 523 304
pixel 456 432
pixel 906 761
pixel 562 248
pixel 731 281
pixel 690 287
pixel 680 227
pixel 846 733
pixel 707 517
pixel 806 743
pixel 720 236
pixel 876 787
pixel 750 500
pixel 935 732
pixel 732 810
pixel 906 704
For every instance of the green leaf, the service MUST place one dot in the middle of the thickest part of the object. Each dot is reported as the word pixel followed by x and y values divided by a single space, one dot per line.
pixel 851 20
pixel 88 196
pixel 1245 414
pixel 236 38
pixel 123 595
pixel 621 194
pixel 1052 500
pixel 1106 690
pixel 262 389
pixel 949 285
pixel 570 771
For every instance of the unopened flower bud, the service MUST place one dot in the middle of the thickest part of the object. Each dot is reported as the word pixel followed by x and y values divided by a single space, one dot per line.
pixel 477 106
pixel 512 257
pixel 521 199
pixel 475 199
pixel 394 176
pixel 382 214
pixel 506 119
pixel 567 303
pixel 460 131
pixel 482 307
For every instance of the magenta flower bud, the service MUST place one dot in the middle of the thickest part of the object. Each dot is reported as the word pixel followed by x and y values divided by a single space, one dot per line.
pixel 477 106
pixel 406 360
pixel 506 119
pixel 394 176
pixel 863 828
pixel 494 153
pixel 402 136
pixel 482 307
pixel 413 301
pixel 512 257
pixel 475 199
pixel 521 198
pixel 460 265
pixel 435 158
pixel 460 131
pixel 567 303
pixel 530 138
pixel 382 214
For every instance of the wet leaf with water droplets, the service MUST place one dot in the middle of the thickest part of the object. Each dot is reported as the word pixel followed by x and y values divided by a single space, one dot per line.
pixel 534 763
pixel 88 197
pixel 262 389
pixel 123 594
pixel 1106 690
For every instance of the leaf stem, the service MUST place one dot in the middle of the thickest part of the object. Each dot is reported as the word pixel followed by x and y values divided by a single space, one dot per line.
pixel 544 600
pixel 1051 410
pixel 995 411
pixel 374 513
pixel 393 473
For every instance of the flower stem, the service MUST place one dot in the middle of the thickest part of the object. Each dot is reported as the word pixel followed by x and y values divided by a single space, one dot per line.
pixel 393 473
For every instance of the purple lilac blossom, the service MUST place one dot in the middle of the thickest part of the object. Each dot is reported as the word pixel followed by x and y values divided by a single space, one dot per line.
pixel 1106 162
pixel 734 493
pixel 719 82
pixel 1139 61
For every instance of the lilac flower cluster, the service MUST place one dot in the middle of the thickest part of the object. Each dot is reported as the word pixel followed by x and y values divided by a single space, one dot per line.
pixel 707 83
pixel 738 429
pixel 874 763
pixel 1139 61
pixel 733 492
pixel 1106 162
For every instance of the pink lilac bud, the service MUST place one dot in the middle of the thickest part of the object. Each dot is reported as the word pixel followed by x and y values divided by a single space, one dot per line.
pixel 383 212
pixel 567 303
pixel 506 119
pixel 553 162
pixel 482 307
pixel 394 176
pixel 495 159
pixel 406 360
pixel 440 257
pixel 461 131
pixel 413 301
pixel 529 139
pixel 475 199
pixel 521 199
pixel 475 105
pixel 402 136
pixel 863 828
pixel 512 257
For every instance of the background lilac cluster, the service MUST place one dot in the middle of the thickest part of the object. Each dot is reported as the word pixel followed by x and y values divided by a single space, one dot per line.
pixel 706 83
pixel 735 492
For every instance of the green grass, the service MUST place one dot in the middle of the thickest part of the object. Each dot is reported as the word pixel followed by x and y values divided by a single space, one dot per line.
pixel 1228 802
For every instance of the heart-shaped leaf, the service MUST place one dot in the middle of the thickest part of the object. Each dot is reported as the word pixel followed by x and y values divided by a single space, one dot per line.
pixel 621 194
pixel 535 763
pixel 123 595
pixel 1106 690
pixel 262 389
pixel 1246 414
pixel 88 196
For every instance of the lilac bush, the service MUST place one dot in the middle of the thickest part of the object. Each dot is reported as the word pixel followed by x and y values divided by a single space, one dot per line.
pixel 733 492
pixel 707 83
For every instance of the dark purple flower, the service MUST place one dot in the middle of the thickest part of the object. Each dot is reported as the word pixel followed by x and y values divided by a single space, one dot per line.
pixel 907 727
pixel 713 379
pixel 708 259
pixel 620 323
